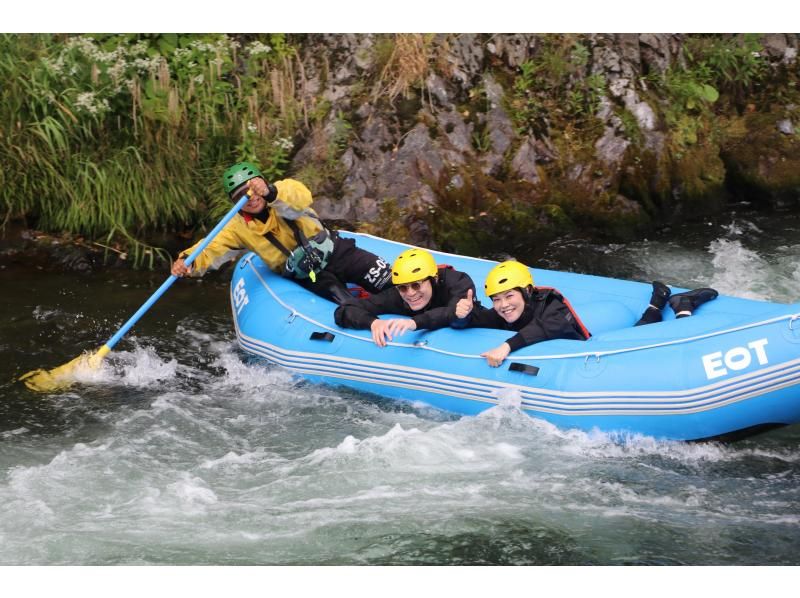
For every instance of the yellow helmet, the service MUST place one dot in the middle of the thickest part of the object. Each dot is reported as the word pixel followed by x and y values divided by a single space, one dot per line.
pixel 412 265
pixel 506 276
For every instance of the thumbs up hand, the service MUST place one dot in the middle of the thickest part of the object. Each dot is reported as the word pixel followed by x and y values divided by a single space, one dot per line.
pixel 464 306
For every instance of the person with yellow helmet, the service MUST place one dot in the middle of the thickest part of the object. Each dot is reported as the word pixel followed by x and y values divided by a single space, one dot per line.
pixel 541 313
pixel 279 225
pixel 535 314
pixel 425 292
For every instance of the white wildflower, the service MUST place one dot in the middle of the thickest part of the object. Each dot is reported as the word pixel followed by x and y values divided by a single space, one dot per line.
pixel 202 46
pixel 90 103
pixel 103 57
pixel 283 143
pixel 139 48
pixel 83 44
pixel 148 65
pixel 258 49
pixel 252 127
pixel 57 66
pixel 117 70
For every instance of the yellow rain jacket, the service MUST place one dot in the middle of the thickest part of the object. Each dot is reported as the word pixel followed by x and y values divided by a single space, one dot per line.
pixel 293 202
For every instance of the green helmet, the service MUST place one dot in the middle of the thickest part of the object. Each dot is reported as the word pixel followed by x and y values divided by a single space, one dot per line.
pixel 238 174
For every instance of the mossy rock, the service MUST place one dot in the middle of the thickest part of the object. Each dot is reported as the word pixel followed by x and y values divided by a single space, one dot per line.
pixel 699 176
pixel 613 216
pixel 488 217
pixel 645 178
pixel 763 164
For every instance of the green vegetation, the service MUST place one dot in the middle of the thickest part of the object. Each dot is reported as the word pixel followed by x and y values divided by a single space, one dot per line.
pixel 555 89
pixel 734 66
pixel 325 172
pixel 717 69
pixel 117 136
pixel 119 139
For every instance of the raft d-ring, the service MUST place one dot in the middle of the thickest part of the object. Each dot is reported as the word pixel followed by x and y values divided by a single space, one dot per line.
pixel 596 359
pixel 245 260
pixel 792 321
pixel 420 343
pixel 291 317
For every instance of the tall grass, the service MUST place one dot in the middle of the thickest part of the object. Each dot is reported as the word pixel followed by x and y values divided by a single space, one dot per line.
pixel 407 66
pixel 118 136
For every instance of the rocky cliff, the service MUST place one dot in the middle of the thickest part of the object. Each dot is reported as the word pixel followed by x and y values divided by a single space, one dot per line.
pixel 467 141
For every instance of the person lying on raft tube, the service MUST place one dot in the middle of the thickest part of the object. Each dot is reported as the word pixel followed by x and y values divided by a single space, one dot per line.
pixel 279 225
pixel 425 292
pixel 539 313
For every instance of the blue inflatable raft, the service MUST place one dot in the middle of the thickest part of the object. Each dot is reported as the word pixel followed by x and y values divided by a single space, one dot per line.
pixel 731 370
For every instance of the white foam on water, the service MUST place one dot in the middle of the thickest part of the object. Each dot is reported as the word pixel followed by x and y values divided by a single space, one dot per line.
pixel 198 336
pixel 192 494
pixel 440 449
pixel 203 476
pixel 234 460
pixel 728 264
pixel 142 367
pixel 42 314
pixel 255 376
pixel 670 263
pixel 739 271
pixel 15 432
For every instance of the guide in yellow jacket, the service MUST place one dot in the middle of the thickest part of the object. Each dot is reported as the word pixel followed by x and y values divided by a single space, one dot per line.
pixel 279 225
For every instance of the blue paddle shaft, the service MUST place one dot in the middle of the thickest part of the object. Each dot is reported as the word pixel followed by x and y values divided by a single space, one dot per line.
pixel 168 283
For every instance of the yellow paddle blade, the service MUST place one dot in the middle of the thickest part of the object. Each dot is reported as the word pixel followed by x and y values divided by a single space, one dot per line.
pixel 64 375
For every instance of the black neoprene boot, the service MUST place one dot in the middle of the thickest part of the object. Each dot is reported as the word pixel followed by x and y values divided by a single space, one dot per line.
pixel 684 304
pixel 658 300
pixel 660 295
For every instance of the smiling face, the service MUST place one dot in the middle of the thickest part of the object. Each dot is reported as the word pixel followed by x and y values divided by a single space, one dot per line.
pixel 509 305
pixel 256 203
pixel 416 294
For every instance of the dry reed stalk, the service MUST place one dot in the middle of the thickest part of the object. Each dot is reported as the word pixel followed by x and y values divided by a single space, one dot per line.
pixel 407 66
pixel 303 92
pixel 173 105
pixel 162 80
pixel 276 81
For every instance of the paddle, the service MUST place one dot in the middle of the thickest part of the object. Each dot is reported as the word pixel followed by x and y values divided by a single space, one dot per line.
pixel 63 375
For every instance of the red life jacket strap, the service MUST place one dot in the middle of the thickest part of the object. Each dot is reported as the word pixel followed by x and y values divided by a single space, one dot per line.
pixel 583 330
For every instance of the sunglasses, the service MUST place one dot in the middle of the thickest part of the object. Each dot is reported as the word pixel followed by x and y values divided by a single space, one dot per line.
pixel 411 286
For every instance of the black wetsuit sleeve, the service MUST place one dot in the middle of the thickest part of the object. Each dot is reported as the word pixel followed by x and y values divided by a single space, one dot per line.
pixel 360 313
pixel 482 317
pixel 546 320
pixel 554 321
pixel 451 287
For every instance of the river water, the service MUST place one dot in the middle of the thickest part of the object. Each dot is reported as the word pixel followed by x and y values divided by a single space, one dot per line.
pixel 183 450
